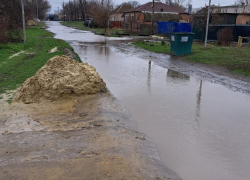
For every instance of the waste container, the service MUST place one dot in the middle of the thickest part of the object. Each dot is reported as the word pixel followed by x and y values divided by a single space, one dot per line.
pixel 181 43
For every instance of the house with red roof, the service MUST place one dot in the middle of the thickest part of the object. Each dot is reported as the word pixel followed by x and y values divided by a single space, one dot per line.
pixel 139 19
pixel 162 12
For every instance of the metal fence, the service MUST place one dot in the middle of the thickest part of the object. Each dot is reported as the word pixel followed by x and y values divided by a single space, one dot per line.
pixel 139 28
pixel 239 30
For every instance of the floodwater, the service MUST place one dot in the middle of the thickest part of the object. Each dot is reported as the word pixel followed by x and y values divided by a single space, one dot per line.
pixel 201 129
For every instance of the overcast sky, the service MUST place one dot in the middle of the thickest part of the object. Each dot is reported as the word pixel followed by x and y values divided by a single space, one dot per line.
pixel 196 3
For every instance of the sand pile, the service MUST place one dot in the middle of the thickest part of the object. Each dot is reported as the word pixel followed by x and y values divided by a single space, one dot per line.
pixel 58 77
pixel 31 23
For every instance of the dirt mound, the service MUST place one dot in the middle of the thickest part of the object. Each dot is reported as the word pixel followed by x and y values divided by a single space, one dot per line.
pixel 31 23
pixel 60 76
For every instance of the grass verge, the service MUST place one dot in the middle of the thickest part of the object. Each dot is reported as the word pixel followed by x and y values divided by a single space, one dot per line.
pixel 157 47
pixel 100 31
pixel 14 71
pixel 235 59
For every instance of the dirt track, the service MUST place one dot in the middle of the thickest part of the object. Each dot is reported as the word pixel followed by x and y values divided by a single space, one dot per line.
pixel 91 137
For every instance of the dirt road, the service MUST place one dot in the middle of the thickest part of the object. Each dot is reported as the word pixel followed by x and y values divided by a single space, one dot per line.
pixel 89 137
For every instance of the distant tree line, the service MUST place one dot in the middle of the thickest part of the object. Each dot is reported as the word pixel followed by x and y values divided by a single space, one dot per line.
pixel 11 17
pixel 98 10
pixel 183 4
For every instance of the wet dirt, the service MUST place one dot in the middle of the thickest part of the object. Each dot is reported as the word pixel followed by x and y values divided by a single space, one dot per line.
pixel 61 76
pixel 197 115
pixel 87 137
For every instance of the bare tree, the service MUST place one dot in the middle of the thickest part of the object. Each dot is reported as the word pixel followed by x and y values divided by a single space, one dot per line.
pixel 200 21
pixel 10 21
pixel 82 8
pixel 104 9
pixel 179 3
pixel 134 4
pixel 43 7
pixel 239 2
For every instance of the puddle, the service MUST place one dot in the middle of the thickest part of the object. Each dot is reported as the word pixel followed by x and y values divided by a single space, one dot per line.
pixel 201 129
pixel 18 124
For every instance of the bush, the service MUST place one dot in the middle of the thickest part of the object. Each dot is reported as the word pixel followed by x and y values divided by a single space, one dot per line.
pixel 225 35
pixel 3 30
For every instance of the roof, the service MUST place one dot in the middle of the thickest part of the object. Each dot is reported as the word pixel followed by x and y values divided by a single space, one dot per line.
pixel 122 8
pixel 158 6
pixel 162 17
pixel 233 6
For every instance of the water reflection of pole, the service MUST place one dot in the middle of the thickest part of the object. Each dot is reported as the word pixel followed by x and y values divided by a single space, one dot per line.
pixel 106 48
pixel 198 103
pixel 149 78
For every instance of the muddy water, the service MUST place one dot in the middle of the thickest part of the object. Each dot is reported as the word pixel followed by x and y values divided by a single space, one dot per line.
pixel 202 129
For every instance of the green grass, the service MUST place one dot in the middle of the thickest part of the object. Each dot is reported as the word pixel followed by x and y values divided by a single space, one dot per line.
pixel 13 72
pixel 79 25
pixel 154 47
pixel 233 58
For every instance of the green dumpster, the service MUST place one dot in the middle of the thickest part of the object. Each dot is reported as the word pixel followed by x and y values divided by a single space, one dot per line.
pixel 181 43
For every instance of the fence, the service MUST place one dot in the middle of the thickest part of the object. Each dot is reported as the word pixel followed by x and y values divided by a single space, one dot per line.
pixel 239 30
pixel 139 28
pixel 116 25
pixel 169 27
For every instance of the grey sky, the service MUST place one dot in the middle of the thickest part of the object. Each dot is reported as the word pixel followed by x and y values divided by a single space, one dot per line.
pixel 196 3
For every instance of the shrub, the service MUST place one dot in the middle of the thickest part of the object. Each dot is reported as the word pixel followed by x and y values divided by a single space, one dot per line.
pixel 225 35
pixel 3 30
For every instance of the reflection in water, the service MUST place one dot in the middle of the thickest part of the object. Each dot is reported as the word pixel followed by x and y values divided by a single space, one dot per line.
pixel 149 78
pixel 103 49
pixel 175 74
pixel 198 105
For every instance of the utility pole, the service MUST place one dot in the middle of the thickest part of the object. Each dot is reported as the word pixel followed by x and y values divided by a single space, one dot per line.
pixel 63 11
pixel 24 32
pixel 208 14
pixel 152 18
pixel 36 9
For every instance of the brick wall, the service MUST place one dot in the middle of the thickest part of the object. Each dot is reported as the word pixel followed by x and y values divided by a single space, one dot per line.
pixel 187 17
pixel 242 19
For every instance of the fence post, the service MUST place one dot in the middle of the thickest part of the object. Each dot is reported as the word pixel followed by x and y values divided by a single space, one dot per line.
pixel 240 41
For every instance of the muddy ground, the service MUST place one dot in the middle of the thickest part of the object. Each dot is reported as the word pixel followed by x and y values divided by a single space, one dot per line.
pixel 88 137
pixel 212 73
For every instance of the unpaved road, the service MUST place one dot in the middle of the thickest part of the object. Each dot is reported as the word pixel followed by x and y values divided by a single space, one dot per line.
pixel 89 137
pixel 200 125
pixel 198 116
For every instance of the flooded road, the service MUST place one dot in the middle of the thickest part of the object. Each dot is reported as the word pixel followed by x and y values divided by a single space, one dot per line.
pixel 201 129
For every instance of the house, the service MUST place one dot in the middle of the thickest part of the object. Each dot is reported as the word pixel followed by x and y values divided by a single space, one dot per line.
pixel 238 22
pixel 163 12
pixel 237 9
pixel 241 13
pixel 139 20
pixel 115 18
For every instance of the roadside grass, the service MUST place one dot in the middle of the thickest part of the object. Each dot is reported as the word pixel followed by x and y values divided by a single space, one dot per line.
pixel 100 31
pixel 157 47
pixel 14 71
pixel 233 58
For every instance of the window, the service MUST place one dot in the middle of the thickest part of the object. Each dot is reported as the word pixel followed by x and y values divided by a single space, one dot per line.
pixel 132 18
pixel 161 10
pixel 126 18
